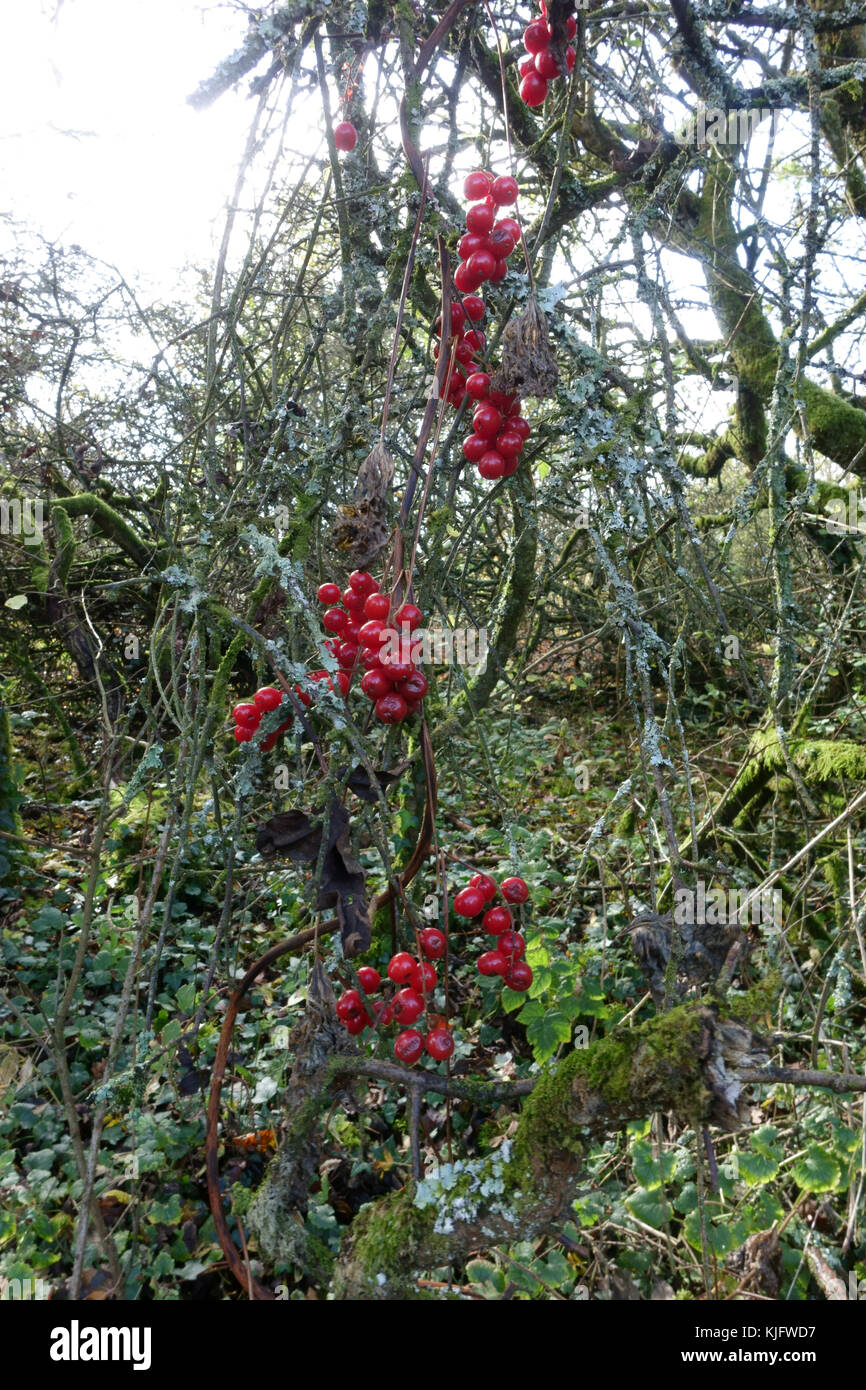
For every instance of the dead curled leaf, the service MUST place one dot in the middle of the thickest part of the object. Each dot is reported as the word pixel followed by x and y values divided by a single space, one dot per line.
pixel 528 365
pixel 361 530
pixel 342 884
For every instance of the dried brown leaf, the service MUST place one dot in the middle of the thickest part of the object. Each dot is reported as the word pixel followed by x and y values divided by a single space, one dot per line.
pixel 528 365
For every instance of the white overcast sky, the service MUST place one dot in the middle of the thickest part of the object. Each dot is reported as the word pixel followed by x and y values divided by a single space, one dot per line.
pixel 98 145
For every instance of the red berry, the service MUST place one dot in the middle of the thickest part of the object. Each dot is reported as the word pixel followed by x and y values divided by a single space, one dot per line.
pixel 353 601
pixel 509 444
pixel 391 709
pixel 474 307
pixel 546 65
pixel 347 655
pixel 247 712
pixel 370 978
pixel 356 1023
pixel 475 447
pixel 396 669
pixel 487 420
pixel 464 279
pixel 349 1003
pixel 270 742
pixel 345 136
pixel 370 659
pixel 479 219
pixel 400 967
pixel 466 246
pixel 244 733
pixel 343 680
pixel 485 885
pixel 408 1046
pixel 570 58
pixel 328 593
pixel 414 687
pixel 519 977
pixel 475 339
pixel 362 582
pixel 478 385
pixel 510 466
pixel 510 224
pixel 504 190
pixel 492 963
pixel 268 698
pixel 477 185
pixel 407 1005
pixel 501 242
pixel 375 684
pixel 382 1012
pixel 518 425
pixel 334 619
pixel 409 613
pixel 423 977
pixel 499 273
pixel 371 633
pixel 440 1044
pixel 481 265
pixel 496 920
pixel 433 943
pixel 571 26
pixel 514 890
pixel 536 36
pixel 468 902
pixel 377 606
pixel 526 65
pixel 491 465
pixel 512 945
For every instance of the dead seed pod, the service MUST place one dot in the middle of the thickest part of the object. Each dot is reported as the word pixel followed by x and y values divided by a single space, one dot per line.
pixel 528 365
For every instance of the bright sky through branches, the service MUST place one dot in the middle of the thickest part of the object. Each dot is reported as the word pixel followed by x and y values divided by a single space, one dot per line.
pixel 97 142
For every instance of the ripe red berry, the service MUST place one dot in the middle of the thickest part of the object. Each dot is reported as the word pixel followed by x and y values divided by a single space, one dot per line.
pixel 499 273
pixel 353 601
pixel 481 265
pixel 478 385
pixel 382 1012
pixel 370 978
pixel 517 425
pixel 504 190
pixel 474 307
pixel 468 243
pixel 519 977
pixel 485 885
pixel 509 444
pixel 475 447
pixel 371 633
pixel 356 1023
pixel 510 466
pixel 492 963
pixel 244 733
pixel 570 58
pixel 408 1046
pixel 479 219
pixel 433 943
pixel 440 1044
pixel 349 1003
pixel 526 65
pixel 477 185
pixel 571 26
pixel 395 669
pixel 342 679
pixel 268 698
pixel 546 65
pixel 400 967
pixel 347 655
pixel 536 36
pixel 328 593
pixel 377 606
pixel 414 687
pixel 375 684
pixel 362 582
pixel 463 352
pixel 334 619
pixel 465 280
pixel 247 712
pixel 512 945
pixel 468 902
pixel 408 1005
pixel 423 977
pixel 270 742
pixel 345 136
pixel 501 243
pixel 409 613
pixel 510 224
pixel 496 920
pixel 391 709
pixel 514 890
pixel 491 465
pixel 486 420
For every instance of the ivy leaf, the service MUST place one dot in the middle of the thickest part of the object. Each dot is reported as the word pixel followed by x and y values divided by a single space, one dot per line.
pixel 817 1170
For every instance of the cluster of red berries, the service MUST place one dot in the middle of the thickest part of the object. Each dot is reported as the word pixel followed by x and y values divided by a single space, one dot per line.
pixel 539 67
pixel 506 958
pixel 249 713
pixel 345 136
pixel 485 248
pixel 415 981
pixel 361 636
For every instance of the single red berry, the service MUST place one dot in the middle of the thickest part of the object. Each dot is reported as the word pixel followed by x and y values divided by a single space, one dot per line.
pixel 570 58
pixel 270 742
pixel 526 65
pixel 334 619
pixel 345 136
pixel 349 1003
pixel 468 902
pixel 479 219
pixel 492 963
pixel 409 613
pixel 268 698
pixel 458 317
pixel 571 26
pixel 500 243
pixel 463 352
pixel 504 190
pixel 356 1023
pixel 491 465
pixel 408 1005
pixel 347 655
pixel 328 593
pixel 496 920
pixel 433 943
pixel 371 633
pixel 247 712
pixel 546 65
pixel 486 420
pixel 519 977
pixel 303 696
pixel 353 601
pixel 475 339
pixel 477 185
pixel 514 890
pixel 382 1012
pixel 440 1044
pixel 509 444
pixel 481 264
pixel 518 425
pixel 466 246
pixel 362 582
pixel 396 669
pixel 423 977
pixel 474 306
pixel 244 733
pixel 391 709
pixel 414 687
pixel 478 385
pixel 375 684
pixel 464 279
pixel 400 967
pixel 370 978
pixel 475 447
pixel 536 36
pixel 510 224
pixel 377 606
pixel 342 679
pixel 512 945
pixel 499 273
pixel 485 885
pixel 408 1046
pixel 510 466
